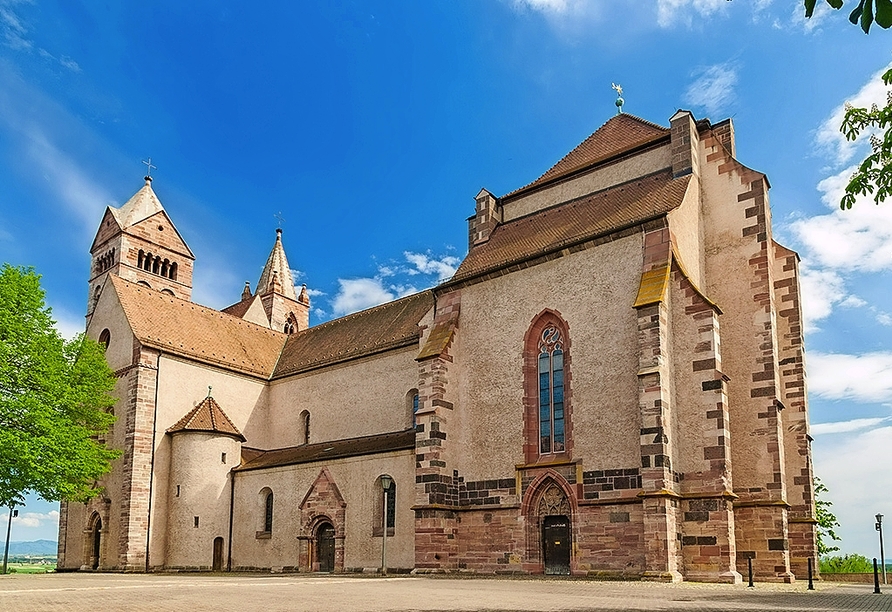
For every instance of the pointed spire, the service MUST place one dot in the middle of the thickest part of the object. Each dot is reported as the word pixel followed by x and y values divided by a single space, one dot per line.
pixel 142 205
pixel 246 292
pixel 304 297
pixel 276 274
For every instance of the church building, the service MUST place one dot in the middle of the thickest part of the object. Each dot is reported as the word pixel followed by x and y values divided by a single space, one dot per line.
pixel 611 384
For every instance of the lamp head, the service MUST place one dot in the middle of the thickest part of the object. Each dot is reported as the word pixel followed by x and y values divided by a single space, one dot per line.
pixel 386 482
pixel 879 518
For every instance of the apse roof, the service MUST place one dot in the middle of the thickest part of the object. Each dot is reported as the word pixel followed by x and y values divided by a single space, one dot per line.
pixel 207 417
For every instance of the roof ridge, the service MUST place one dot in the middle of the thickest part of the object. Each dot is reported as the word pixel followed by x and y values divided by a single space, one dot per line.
pixel 201 306
pixel 590 157
pixel 361 312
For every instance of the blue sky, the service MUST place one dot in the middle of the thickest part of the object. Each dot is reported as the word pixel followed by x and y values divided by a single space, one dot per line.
pixel 371 125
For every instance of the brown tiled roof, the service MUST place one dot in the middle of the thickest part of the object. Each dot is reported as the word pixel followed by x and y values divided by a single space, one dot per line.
pixel 253 459
pixel 573 222
pixel 207 416
pixel 239 308
pixel 377 329
pixel 190 330
pixel 619 134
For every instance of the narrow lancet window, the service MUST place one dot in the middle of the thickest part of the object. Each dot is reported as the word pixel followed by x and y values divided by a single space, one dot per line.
pixel 551 391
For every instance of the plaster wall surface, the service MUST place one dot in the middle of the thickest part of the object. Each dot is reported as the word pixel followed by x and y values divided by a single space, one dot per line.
pixel 621 171
pixel 198 488
pixel 356 479
pixel 359 398
pixel 686 227
pixel 593 290
pixel 182 386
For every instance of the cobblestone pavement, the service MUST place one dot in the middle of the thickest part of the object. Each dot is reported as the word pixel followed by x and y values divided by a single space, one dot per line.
pixel 246 593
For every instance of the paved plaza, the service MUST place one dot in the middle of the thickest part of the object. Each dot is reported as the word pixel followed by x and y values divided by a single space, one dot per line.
pixel 246 593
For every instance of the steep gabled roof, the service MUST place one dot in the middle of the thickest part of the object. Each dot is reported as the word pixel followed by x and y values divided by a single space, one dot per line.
pixel 619 134
pixel 255 459
pixel 367 332
pixel 142 205
pixel 204 334
pixel 573 222
pixel 207 417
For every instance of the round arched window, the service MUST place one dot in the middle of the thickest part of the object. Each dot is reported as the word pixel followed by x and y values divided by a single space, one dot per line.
pixel 105 338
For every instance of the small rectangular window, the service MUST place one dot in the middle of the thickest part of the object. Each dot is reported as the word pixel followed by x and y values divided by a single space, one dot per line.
pixel 178 490
pixel 196 522
pixel 223 457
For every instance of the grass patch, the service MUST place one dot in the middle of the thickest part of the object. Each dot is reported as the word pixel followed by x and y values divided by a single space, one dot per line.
pixel 30 568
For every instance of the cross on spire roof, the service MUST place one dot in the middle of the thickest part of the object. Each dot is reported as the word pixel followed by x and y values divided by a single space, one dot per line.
pixel 149 166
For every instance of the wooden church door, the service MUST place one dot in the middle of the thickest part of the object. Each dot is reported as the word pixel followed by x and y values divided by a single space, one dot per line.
pixel 218 554
pixel 556 544
pixel 325 547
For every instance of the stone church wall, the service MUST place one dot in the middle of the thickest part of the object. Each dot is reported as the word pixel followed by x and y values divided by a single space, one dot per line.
pixel 296 513
pixel 339 407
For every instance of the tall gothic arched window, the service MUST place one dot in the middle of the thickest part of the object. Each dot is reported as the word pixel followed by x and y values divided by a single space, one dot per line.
pixel 547 425
pixel 552 433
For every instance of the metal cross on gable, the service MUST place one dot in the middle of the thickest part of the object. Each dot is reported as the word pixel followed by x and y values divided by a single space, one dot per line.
pixel 149 166
pixel 278 217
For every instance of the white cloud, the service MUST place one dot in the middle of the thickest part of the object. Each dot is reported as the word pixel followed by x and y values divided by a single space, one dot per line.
pixel 423 263
pixel 670 12
pixel 314 292
pixel 713 88
pixel 809 25
pixel 836 427
pixel 859 483
pixel 855 240
pixel 13 27
pixel 829 136
pixel 865 378
pixel 821 291
pixel 359 294
pixel 14 31
pixel 32 520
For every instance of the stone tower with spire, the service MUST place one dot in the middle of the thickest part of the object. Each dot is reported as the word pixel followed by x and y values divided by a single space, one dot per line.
pixel 275 304
pixel 139 242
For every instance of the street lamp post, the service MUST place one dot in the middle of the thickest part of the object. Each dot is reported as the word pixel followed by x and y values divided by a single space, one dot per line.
pixel 386 481
pixel 879 527
pixel 12 514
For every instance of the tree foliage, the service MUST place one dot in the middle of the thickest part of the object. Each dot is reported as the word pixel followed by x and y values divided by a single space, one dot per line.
pixel 865 13
pixel 826 520
pixel 874 174
pixel 54 400
pixel 847 564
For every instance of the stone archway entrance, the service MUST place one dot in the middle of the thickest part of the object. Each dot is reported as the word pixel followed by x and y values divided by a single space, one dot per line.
pixel 94 542
pixel 554 517
pixel 325 547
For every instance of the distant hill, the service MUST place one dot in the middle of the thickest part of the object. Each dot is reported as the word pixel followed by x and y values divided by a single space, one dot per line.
pixel 36 547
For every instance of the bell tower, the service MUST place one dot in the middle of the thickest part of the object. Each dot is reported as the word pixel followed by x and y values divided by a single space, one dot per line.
pixel 287 312
pixel 139 242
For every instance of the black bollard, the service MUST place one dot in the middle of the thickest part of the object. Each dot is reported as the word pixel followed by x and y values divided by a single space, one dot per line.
pixel 811 584
pixel 749 567
pixel 876 577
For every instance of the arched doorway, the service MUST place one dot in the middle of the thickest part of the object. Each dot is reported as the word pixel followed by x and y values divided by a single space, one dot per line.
pixel 95 541
pixel 325 547
pixel 554 517
pixel 218 554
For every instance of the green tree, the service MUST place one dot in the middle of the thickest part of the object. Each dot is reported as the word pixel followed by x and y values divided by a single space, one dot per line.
pixel 848 564
pixel 874 174
pixel 54 400
pixel 826 520
pixel 866 12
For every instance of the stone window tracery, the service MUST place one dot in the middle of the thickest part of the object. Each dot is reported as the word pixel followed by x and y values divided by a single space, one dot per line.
pixel 551 391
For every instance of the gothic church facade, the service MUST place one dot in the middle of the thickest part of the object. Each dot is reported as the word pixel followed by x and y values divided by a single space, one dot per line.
pixel 612 383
